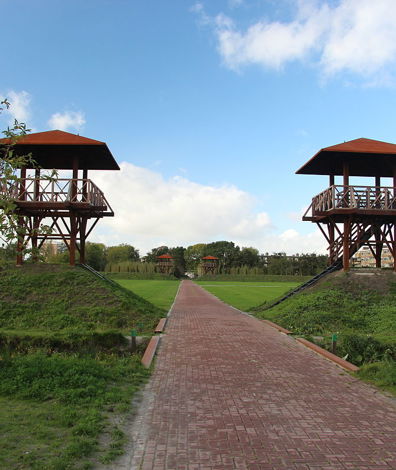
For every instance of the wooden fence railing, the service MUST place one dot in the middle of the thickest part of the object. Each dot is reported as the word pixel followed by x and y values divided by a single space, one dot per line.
pixel 42 190
pixel 354 197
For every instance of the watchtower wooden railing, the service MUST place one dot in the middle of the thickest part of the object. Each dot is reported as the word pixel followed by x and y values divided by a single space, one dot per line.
pixel 360 199
pixel 44 193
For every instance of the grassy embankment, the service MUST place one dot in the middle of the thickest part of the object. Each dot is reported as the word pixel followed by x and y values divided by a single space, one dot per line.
pixel 246 295
pixel 360 308
pixel 65 369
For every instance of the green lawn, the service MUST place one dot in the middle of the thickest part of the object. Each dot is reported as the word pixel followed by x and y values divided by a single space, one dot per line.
pixel 246 295
pixel 160 293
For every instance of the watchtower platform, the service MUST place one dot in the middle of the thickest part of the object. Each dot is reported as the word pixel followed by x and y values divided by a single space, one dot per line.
pixel 351 216
pixel 209 264
pixel 165 263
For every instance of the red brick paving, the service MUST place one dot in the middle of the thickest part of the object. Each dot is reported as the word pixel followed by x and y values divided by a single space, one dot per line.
pixel 230 392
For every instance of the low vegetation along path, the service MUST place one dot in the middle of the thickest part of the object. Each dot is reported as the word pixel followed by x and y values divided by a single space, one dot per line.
pixel 229 392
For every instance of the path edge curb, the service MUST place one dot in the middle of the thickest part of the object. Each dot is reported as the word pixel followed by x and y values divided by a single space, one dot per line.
pixel 277 327
pixel 154 342
pixel 328 355
pixel 150 351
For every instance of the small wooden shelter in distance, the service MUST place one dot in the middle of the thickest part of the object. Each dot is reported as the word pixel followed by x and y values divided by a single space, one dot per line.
pixel 72 206
pixel 209 264
pixel 352 216
pixel 165 263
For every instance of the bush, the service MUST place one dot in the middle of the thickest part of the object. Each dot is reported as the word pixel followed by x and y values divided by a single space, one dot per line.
pixel 364 349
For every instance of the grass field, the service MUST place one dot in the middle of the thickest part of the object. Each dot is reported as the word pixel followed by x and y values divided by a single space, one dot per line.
pixel 247 295
pixel 159 293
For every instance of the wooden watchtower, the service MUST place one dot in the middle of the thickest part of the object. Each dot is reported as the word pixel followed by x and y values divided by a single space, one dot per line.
pixel 165 263
pixel 209 264
pixel 70 206
pixel 352 216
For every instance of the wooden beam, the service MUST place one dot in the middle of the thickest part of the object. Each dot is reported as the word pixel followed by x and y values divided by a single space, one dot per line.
pixel 36 195
pixel 345 242
pixel 331 180
pixel 73 240
pixel 75 177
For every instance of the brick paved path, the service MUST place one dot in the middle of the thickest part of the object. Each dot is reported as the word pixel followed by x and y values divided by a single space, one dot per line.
pixel 230 392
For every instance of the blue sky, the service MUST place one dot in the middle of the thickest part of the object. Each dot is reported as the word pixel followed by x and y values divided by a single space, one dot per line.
pixel 211 105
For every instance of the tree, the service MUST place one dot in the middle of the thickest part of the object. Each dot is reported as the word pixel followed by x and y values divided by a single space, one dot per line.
pixel 193 255
pixel 249 256
pixel 13 227
pixel 123 252
pixel 95 254
pixel 227 253
pixel 178 259
pixel 151 256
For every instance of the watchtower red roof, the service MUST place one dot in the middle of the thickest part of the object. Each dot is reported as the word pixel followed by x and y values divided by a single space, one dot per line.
pixel 57 149
pixel 366 157
pixel 210 257
pixel 166 256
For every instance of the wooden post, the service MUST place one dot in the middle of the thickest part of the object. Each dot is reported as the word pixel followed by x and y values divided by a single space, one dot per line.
pixel 378 246
pixel 331 180
pixel 85 185
pixel 75 178
pixel 83 226
pixel 34 239
pixel 22 187
pixel 37 185
pixel 345 183
pixel 73 239
pixel 345 254
pixel 345 173
pixel 331 243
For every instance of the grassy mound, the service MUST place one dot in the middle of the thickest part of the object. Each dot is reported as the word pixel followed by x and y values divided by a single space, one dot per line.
pixel 56 297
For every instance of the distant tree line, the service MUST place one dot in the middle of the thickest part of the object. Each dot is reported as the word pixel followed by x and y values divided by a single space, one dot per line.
pixel 232 259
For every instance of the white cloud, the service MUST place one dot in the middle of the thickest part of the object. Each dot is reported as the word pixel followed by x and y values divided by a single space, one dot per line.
pixel 362 37
pixel 152 211
pixel 19 105
pixel 357 36
pixel 291 242
pixel 271 44
pixel 67 121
